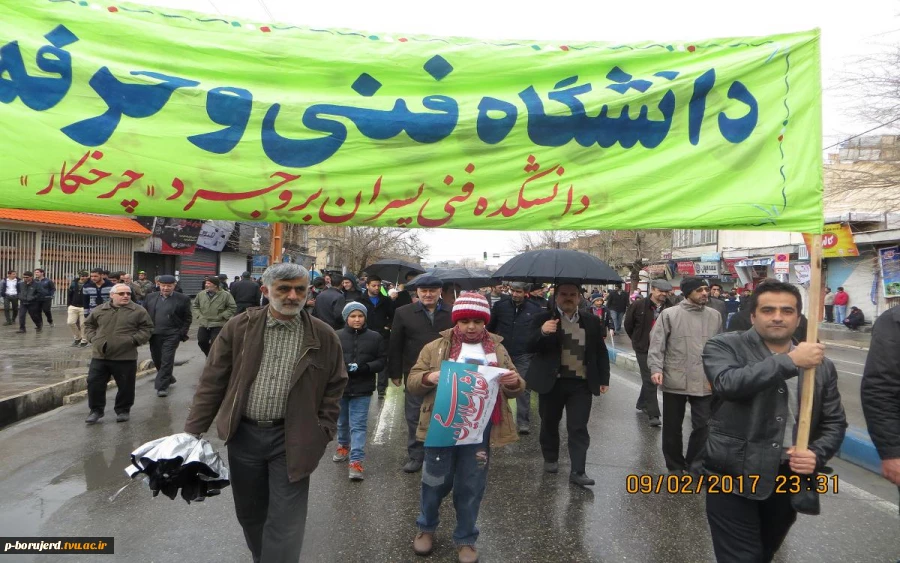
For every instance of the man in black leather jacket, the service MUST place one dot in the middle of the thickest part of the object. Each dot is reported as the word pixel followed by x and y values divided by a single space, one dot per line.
pixel 756 377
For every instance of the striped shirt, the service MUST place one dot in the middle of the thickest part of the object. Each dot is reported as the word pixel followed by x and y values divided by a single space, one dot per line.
pixel 282 341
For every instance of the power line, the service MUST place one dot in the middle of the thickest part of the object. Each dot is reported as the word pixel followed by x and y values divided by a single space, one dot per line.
pixel 266 10
pixel 863 133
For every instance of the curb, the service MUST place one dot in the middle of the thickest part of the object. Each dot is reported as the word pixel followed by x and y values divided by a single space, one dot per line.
pixel 859 450
pixel 857 447
pixel 49 397
pixel 82 395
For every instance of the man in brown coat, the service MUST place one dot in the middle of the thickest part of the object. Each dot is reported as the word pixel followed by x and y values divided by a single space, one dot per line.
pixel 115 329
pixel 277 374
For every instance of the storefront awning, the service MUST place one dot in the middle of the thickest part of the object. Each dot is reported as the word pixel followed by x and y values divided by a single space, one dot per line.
pixel 755 262
pixel 87 221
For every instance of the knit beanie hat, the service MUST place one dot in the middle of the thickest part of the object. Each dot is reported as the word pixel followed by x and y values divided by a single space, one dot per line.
pixel 689 285
pixel 471 305
pixel 353 306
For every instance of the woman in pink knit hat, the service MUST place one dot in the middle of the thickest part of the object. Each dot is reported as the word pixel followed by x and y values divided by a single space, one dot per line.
pixel 461 469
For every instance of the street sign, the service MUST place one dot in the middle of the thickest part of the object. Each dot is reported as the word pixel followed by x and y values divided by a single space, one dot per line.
pixel 782 264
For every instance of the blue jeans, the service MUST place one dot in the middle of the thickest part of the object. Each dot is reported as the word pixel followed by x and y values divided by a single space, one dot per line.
pixel 840 313
pixel 617 319
pixel 351 426
pixel 463 470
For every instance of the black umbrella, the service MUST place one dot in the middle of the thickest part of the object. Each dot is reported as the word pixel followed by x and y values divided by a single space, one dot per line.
pixel 180 462
pixel 468 279
pixel 390 269
pixel 557 266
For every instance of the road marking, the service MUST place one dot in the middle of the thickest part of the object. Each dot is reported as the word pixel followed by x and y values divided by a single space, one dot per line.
pixel 845 487
pixel 627 382
pixel 849 373
pixel 883 505
pixel 386 419
pixel 846 362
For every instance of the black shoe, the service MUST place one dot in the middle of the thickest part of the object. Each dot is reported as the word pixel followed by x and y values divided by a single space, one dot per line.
pixel 551 466
pixel 76 343
pixel 413 466
pixel 172 380
pixel 655 421
pixel 7 323
pixel 94 417
pixel 524 430
pixel 20 331
pixel 38 329
pixel 580 479
pixel 162 393
pixel 122 417
pixel 382 393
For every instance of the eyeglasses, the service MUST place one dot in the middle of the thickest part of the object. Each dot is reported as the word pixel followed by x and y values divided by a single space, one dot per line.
pixel 122 293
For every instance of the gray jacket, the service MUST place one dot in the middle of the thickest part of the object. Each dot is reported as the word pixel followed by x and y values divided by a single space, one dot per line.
pixel 676 343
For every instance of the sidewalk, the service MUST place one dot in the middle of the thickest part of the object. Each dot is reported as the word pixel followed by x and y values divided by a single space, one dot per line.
pixel 832 334
pixel 38 370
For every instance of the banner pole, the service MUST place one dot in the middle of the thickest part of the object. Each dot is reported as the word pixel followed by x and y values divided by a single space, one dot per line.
pixel 812 335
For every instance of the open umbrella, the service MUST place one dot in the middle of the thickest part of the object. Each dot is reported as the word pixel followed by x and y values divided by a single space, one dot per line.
pixel 556 266
pixel 468 279
pixel 180 462
pixel 390 269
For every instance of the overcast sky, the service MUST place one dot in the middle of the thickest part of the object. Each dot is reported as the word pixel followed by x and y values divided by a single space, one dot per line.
pixel 850 30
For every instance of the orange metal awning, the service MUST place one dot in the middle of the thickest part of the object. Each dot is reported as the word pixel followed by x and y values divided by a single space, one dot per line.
pixel 86 221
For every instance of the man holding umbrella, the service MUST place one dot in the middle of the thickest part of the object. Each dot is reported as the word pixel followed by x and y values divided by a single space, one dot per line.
pixel 570 366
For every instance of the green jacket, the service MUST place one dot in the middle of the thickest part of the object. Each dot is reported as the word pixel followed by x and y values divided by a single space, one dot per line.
pixel 215 311
pixel 116 332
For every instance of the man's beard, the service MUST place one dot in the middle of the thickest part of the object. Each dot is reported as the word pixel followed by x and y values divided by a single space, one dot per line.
pixel 281 306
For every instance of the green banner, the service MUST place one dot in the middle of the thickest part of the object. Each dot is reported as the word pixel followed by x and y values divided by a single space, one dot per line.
pixel 126 109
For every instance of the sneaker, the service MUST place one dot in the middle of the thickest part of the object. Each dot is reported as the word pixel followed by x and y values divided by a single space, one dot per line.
pixel 382 393
pixel 84 343
pixel 580 479
pixel 551 466
pixel 76 343
pixel 342 454
pixel 356 471
pixel 655 421
pixel 424 543
pixel 162 393
pixel 94 417
pixel 467 554
pixel 413 466
pixel 524 430
pixel 122 416
pixel 20 331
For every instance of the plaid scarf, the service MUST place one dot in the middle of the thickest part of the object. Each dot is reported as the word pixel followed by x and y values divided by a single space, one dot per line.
pixel 487 343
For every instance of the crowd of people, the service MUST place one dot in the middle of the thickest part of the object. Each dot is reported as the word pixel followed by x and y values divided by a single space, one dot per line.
pixel 293 363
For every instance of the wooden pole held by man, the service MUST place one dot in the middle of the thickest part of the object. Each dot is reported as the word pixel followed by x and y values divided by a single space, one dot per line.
pixel 813 314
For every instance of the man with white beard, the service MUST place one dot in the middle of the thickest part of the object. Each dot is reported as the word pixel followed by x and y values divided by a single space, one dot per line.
pixel 278 375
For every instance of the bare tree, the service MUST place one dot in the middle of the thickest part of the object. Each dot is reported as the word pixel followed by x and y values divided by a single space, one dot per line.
pixel 863 174
pixel 361 246
pixel 626 251
pixel 537 240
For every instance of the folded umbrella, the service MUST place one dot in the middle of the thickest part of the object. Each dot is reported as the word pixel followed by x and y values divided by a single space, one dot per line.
pixel 468 279
pixel 180 462
pixel 557 266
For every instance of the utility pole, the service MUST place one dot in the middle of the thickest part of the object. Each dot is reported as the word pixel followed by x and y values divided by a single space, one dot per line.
pixel 277 243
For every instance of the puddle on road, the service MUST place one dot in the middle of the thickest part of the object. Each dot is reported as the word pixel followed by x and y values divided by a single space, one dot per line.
pixel 98 471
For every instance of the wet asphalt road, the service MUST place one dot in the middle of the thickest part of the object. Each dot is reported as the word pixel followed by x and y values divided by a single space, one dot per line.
pixel 57 476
